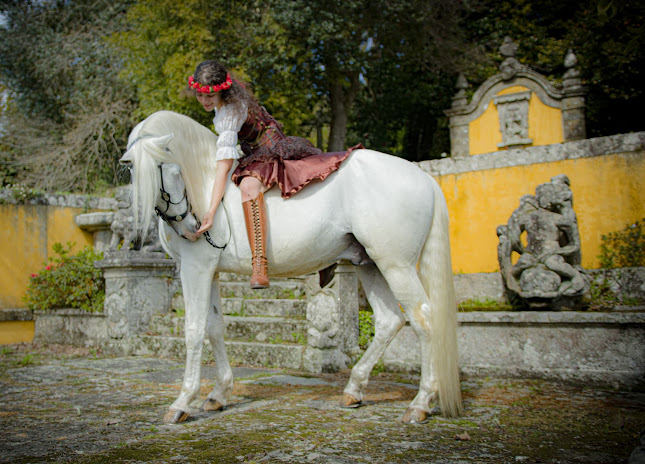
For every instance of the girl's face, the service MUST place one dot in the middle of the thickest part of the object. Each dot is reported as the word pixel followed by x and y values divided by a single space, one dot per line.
pixel 210 101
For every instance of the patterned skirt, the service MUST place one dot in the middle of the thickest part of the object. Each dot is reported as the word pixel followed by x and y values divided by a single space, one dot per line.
pixel 290 163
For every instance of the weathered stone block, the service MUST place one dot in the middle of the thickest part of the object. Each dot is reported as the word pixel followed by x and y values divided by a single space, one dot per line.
pixel 137 285
pixel 600 348
pixel 70 327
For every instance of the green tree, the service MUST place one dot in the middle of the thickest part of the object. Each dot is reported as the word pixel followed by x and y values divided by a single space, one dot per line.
pixel 348 43
pixel 66 115
pixel 165 40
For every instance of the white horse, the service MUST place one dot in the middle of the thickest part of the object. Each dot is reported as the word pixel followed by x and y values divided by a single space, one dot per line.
pixel 381 212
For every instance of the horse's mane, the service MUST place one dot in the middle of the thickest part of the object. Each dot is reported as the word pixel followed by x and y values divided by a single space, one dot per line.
pixel 168 137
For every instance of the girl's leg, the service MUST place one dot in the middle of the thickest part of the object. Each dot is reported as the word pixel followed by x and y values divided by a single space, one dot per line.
pixel 256 224
pixel 251 188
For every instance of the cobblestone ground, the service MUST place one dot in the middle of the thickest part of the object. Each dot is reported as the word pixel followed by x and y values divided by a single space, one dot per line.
pixel 71 405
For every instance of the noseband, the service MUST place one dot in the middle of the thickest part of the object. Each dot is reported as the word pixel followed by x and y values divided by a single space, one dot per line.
pixel 165 196
pixel 170 220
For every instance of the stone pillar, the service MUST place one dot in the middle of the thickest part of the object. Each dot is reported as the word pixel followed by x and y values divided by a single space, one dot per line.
pixel 138 285
pixel 99 225
pixel 459 133
pixel 573 101
pixel 332 316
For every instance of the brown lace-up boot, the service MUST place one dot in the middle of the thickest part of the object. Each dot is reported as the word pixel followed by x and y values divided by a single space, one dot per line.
pixel 256 226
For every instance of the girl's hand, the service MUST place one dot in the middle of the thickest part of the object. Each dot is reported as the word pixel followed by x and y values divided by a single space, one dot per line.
pixel 207 222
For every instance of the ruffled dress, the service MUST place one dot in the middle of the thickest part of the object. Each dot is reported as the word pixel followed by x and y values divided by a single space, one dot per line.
pixel 268 154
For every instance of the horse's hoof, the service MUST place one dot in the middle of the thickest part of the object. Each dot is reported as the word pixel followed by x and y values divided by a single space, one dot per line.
pixel 415 416
pixel 212 405
pixel 175 416
pixel 348 401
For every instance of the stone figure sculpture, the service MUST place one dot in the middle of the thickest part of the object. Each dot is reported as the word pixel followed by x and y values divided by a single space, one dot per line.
pixel 548 273
pixel 124 235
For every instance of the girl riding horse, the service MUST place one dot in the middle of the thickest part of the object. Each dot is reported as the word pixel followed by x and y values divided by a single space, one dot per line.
pixel 269 156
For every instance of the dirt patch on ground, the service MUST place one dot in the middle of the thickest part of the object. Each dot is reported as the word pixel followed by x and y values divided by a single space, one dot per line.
pixel 62 404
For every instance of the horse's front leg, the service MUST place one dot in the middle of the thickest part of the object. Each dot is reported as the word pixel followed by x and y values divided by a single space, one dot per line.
pixel 196 279
pixel 218 397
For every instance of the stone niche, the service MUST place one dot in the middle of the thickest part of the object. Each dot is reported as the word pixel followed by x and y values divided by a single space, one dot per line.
pixel 523 100
pixel 543 234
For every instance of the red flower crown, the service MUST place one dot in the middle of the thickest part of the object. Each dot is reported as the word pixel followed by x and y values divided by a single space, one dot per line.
pixel 193 84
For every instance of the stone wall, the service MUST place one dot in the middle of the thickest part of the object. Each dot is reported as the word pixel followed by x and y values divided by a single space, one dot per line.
pixel 28 231
pixel 607 177
pixel 600 348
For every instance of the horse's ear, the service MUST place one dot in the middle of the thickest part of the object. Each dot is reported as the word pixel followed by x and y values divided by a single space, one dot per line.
pixel 162 141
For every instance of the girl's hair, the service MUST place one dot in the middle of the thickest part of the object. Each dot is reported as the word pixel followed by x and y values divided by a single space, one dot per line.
pixel 211 72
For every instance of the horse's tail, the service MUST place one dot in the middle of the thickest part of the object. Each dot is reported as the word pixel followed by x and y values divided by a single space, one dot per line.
pixel 435 272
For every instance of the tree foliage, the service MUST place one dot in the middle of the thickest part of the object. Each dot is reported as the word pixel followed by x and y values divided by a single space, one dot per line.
pixel 608 37
pixel 76 75
pixel 368 58
pixel 165 40
pixel 66 114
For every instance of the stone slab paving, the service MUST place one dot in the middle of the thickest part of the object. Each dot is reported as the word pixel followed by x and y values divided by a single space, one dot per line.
pixel 66 405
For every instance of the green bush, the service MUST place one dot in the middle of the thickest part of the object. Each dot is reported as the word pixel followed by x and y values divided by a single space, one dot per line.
pixel 68 281
pixel 365 329
pixel 625 248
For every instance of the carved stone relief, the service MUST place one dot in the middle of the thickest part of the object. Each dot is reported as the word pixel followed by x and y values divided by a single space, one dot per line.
pixel 513 110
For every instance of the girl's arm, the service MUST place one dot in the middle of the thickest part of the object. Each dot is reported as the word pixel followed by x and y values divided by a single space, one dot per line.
pixel 221 176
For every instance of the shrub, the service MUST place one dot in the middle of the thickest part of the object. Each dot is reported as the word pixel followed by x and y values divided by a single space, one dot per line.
pixel 625 248
pixel 68 281
pixel 365 329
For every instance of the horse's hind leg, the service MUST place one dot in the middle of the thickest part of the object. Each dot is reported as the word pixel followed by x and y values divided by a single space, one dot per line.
pixel 408 290
pixel 388 320
pixel 217 398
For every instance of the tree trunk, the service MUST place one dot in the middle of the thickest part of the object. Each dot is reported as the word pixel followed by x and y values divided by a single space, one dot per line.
pixel 341 100
pixel 338 129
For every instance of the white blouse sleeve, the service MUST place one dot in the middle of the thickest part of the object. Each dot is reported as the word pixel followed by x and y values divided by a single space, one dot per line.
pixel 228 123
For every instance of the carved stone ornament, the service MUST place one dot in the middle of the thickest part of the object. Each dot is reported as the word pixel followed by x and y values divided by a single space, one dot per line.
pixel 509 67
pixel 543 231
pixel 460 99
pixel 123 234
pixel 513 110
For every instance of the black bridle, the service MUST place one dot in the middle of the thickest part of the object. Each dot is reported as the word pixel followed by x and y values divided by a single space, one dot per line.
pixel 170 220
pixel 165 196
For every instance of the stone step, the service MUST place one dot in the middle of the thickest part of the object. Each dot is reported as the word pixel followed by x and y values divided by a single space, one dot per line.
pixel 256 354
pixel 288 290
pixel 266 329
pixel 265 354
pixel 261 329
pixel 230 277
pixel 265 307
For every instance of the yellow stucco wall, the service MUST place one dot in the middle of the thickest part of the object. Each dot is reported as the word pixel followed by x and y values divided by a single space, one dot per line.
pixel 17 332
pixel 27 234
pixel 545 124
pixel 608 194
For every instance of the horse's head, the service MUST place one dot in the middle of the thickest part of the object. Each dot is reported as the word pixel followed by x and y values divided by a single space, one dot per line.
pixel 162 140
pixel 172 203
